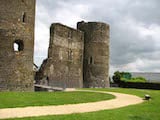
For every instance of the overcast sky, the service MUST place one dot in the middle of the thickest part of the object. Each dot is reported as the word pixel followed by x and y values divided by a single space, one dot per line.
pixel 134 25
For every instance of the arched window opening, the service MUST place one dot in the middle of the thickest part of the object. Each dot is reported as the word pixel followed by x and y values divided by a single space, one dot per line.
pixel 18 46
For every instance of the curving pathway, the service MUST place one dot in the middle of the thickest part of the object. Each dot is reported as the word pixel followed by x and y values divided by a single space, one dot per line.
pixel 121 100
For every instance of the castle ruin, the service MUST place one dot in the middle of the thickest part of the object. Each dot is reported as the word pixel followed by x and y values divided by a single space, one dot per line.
pixel 77 57
pixel 17 18
pixel 64 65
pixel 96 54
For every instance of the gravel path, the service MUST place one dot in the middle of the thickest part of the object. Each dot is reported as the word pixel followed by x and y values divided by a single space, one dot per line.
pixel 121 100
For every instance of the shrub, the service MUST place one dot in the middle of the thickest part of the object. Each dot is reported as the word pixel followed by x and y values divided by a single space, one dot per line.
pixel 127 77
pixel 137 79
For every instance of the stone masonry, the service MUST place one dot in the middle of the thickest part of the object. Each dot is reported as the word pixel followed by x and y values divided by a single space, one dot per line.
pixel 63 67
pixel 96 54
pixel 17 18
pixel 77 57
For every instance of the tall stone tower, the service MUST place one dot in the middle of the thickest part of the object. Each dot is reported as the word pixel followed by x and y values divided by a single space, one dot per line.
pixel 64 65
pixel 17 18
pixel 96 54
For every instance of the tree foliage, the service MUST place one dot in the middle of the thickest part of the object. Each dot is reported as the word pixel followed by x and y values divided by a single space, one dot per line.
pixel 116 77
pixel 126 77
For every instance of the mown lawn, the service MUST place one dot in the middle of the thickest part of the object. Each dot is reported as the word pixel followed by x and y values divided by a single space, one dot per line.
pixel 23 99
pixel 149 110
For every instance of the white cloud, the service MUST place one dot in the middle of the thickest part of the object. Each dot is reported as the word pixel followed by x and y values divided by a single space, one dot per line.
pixel 135 29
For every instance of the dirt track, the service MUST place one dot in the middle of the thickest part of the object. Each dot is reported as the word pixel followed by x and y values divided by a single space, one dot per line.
pixel 121 100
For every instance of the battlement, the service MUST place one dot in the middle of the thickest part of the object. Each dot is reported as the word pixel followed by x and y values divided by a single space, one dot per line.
pixel 92 23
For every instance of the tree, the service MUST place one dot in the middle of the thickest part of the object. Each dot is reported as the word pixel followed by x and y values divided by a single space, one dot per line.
pixel 116 77
pixel 126 75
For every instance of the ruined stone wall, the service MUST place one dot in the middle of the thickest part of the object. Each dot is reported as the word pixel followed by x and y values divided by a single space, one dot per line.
pixel 17 19
pixel 96 54
pixel 64 64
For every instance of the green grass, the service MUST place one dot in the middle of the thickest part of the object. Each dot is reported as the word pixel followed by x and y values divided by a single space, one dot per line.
pixel 149 110
pixel 23 99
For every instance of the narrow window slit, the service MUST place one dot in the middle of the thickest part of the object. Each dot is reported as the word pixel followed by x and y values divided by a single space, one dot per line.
pixel 70 54
pixel 24 17
pixel 90 61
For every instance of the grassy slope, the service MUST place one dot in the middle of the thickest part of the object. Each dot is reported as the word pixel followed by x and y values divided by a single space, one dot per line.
pixel 22 99
pixel 148 110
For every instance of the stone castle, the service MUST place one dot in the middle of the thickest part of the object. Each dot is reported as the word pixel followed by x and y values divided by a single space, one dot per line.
pixel 17 18
pixel 76 57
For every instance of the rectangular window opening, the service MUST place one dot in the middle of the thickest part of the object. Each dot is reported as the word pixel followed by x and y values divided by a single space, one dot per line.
pixel 90 61
pixel 24 17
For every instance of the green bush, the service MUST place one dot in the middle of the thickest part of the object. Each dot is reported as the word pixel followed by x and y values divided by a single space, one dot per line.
pixel 127 77
pixel 137 79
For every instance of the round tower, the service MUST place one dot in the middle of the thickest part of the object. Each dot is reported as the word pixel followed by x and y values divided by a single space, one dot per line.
pixel 96 54
pixel 17 18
